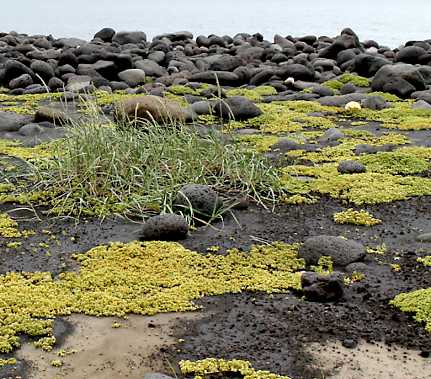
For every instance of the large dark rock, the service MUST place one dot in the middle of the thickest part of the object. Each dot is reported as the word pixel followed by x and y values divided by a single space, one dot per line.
pixel 12 122
pixel 410 54
pixel 105 34
pixel 367 65
pixel 150 67
pixel 236 107
pixel 21 81
pixel 165 227
pixel 347 40
pixel 341 250
pixel 376 103
pixel 322 288
pixel 214 77
pixel 341 100
pixel 133 77
pixel 14 69
pixel 107 69
pixel 198 200
pixel 297 71
pixel 351 167
pixel 226 63
pixel 399 79
pixel 134 37
pixel 43 69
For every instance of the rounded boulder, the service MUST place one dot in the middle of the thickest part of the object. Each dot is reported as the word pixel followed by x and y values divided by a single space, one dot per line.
pixel 341 250
pixel 198 199
pixel 165 227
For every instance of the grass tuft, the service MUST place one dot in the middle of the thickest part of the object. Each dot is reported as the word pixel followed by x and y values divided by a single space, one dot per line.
pixel 103 168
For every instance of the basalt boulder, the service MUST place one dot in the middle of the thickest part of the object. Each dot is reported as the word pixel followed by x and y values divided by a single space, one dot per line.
pixel 399 79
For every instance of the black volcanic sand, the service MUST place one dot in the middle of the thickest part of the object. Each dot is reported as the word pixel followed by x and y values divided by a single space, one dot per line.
pixel 272 331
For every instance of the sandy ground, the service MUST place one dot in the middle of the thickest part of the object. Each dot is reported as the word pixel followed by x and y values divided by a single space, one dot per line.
pixel 370 361
pixel 103 351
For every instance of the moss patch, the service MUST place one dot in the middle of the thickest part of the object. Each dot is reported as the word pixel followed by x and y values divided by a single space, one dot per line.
pixel 223 368
pixel 353 217
pixel 289 116
pixel 255 94
pixel 140 278
pixel 416 302
pixel 425 260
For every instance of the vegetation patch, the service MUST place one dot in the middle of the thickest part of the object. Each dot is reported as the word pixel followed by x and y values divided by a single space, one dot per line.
pixel 416 302
pixel 224 368
pixel 255 94
pixel 139 278
pixel 289 116
pixel 101 169
pixel 394 163
pixel 354 217
pixel 425 260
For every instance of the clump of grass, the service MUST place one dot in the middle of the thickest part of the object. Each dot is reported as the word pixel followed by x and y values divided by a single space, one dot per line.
pixel 107 168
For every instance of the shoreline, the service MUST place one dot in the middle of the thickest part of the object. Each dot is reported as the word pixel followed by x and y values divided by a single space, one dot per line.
pixel 123 60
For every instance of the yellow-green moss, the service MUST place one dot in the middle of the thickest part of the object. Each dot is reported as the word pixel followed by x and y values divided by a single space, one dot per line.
pixel 255 94
pixel 15 149
pixel 417 302
pixel 387 96
pixel 289 116
pixel 356 80
pixel 25 104
pixel 394 163
pixel 213 366
pixel 7 362
pixel 45 343
pixel 181 90
pixel 353 217
pixel 141 278
pixel 399 116
pixel 358 189
pixel 56 363
pixel 261 143
pixel 8 227
pixel 325 266
pixel 425 260
pixel 378 250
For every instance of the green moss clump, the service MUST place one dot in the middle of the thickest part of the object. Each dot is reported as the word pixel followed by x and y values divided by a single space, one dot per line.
pixel 7 362
pixel 372 188
pixel 325 266
pixel 220 367
pixel 260 143
pixel 289 116
pixel 8 227
pixel 399 116
pixel 425 260
pixel 25 104
pixel 356 80
pixel 394 163
pixel 45 343
pixel 255 94
pixel 417 302
pixel 353 217
pixel 140 278
pixel 387 96
pixel 181 90
pixel 333 84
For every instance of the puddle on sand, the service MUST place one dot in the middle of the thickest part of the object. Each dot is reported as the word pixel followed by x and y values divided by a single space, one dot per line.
pixel 106 352
pixel 369 361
